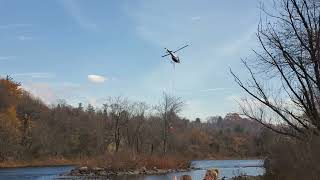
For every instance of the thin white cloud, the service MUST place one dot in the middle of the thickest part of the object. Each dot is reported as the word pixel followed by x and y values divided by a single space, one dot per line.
pixel 201 91
pixel 233 97
pixel 52 92
pixel 96 78
pixel 213 89
pixel 41 90
pixel 114 79
pixel 73 8
pixel 195 18
pixel 24 38
pixel 34 75
pixel 6 57
pixel 235 46
pixel 9 26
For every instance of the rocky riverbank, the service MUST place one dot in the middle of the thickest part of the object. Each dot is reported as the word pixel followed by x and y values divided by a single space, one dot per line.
pixel 248 178
pixel 97 171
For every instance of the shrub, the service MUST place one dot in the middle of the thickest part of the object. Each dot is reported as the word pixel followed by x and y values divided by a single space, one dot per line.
pixel 291 159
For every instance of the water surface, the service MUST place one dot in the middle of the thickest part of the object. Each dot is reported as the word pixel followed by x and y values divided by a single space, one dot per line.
pixel 227 168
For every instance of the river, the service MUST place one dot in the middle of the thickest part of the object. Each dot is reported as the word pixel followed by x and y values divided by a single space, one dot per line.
pixel 227 168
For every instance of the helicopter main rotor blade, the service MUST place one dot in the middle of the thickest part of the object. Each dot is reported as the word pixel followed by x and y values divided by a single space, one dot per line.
pixel 181 48
pixel 165 55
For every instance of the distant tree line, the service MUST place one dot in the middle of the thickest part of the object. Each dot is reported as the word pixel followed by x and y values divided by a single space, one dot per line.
pixel 31 129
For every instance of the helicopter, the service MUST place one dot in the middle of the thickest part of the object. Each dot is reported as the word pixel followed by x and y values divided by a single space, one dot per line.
pixel 174 58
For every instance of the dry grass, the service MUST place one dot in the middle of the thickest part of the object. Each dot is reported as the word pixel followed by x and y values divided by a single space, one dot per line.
pixel 294 160
pixel 116 162
pixel 52 161
pixel 127 161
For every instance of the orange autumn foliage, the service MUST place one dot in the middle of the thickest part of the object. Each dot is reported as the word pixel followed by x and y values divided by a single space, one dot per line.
pixel 9 94
pixel 9 123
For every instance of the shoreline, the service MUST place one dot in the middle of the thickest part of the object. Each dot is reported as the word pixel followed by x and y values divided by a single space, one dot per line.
pixel 78 170
pixel 50 162
pixel 36 166
pixel 245 177
pixel 67 162
pixel 230 158
pixel 96 171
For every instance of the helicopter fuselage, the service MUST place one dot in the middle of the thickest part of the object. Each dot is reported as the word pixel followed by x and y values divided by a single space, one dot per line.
pixel 173 56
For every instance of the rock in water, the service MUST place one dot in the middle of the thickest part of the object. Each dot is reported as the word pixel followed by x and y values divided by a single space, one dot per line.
pixel 83 169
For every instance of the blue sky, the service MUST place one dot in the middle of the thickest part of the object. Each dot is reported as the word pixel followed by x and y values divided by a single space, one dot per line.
pixel 52 47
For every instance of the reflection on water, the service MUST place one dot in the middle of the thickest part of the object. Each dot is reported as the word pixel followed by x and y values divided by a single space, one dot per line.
pixel 39 173
pixel 227 168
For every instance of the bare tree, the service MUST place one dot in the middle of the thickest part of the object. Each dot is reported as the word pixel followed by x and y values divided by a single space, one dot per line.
pixel 290 59
pixel 167 108
pixel 119 113
pixel 138 121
